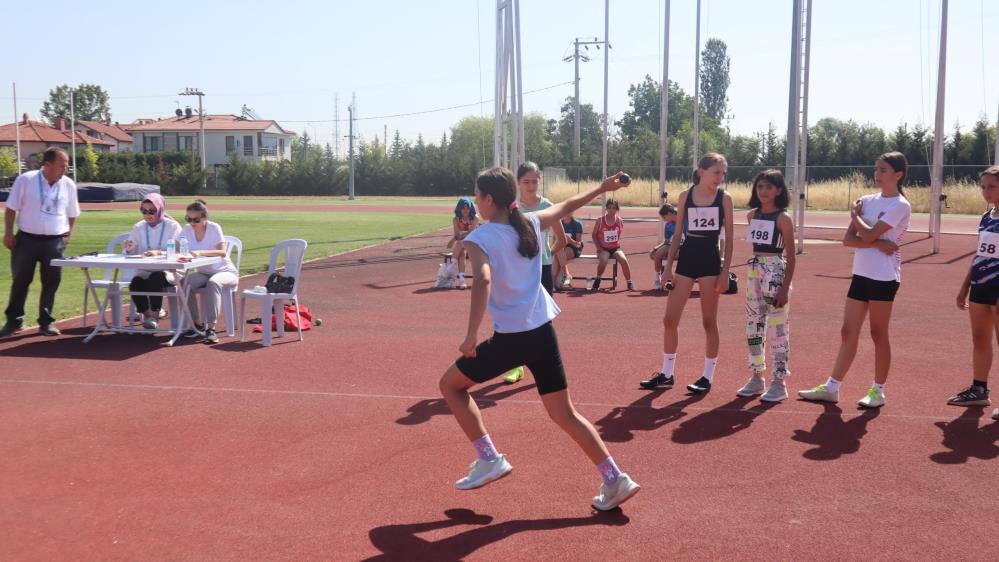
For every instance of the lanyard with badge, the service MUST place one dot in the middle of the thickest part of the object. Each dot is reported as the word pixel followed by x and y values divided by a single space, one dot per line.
pixel 49 206
pixel 162 231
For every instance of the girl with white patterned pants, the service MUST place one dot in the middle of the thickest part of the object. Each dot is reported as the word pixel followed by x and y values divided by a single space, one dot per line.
pixel 768 285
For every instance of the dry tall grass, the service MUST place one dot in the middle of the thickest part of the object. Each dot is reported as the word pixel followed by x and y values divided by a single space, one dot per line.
pixel 833 195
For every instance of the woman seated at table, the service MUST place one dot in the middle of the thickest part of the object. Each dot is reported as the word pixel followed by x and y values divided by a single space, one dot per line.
pixel 149 237
pixel 205 239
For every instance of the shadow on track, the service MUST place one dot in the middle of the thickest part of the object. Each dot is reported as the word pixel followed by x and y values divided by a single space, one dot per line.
pixel 833 436
pixel 423 410
pixel 966 440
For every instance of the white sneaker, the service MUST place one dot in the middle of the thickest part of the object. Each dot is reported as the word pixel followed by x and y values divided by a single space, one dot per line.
pixel 567 281
pixel 776 393
pixel 874 399
pixel 753 387
pixel 484 472
pixel 149 323
pixel 163 313
pixel 463 285
pixel 615 494
pixel 820 393
pixel 658 283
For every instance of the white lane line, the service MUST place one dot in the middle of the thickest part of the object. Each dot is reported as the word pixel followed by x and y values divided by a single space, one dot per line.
pixel 755 409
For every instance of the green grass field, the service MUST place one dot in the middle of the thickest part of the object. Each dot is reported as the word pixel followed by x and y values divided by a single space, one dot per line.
pixel 327 234
pixel 319 200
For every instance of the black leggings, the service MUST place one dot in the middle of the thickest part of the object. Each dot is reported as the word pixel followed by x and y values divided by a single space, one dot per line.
pixel 546 279
pixel 155 283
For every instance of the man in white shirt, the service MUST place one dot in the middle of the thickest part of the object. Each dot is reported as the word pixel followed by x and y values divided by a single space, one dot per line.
pixel 43 203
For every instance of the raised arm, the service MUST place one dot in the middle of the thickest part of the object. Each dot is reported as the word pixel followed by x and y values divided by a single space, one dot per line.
pixel 554 214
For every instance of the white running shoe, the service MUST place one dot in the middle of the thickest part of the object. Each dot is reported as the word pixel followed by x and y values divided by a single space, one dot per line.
pixel 658 283
pixel 874 399
pixel 776 393
pixel 753 387
pixel 149 323
pixel 615 494
pixel 820 393
pixel 484 472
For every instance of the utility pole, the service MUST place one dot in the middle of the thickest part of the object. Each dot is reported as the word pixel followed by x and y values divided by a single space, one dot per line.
pixel 72 129
pixel 603 196
pixel 936 179
pixel 17 129
pixel 350 149
pixel 664 115
pixel 201 119
pixel 576 56
pixel 696 144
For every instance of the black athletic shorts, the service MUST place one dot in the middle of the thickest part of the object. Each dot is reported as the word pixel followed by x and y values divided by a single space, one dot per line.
pixel 984 294
pixel 699 257
pixel 536 349
pixel 867 289
pixel 546 279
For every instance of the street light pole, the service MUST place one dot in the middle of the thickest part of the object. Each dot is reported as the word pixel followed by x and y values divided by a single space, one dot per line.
pixel 201 119
pixel 72 129
pixel 577 135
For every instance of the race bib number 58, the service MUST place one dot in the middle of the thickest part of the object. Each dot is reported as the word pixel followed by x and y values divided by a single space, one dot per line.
pixel 988 244
pixel 701 219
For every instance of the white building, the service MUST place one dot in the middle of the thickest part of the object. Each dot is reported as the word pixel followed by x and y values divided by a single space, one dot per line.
pixel 225 135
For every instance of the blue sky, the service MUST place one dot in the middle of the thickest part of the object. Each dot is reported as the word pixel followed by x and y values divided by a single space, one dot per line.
pixel 872 61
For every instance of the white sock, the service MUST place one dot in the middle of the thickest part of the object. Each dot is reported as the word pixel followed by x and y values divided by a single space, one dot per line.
pixel 669 361
pixel 461 276
pixel 880 387
pixel 832 384
pixel 709 368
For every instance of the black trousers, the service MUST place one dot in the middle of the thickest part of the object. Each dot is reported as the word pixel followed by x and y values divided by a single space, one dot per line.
pixel 29 251
pixel 156 282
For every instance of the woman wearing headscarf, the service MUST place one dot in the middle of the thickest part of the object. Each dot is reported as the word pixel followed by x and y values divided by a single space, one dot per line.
pixel 149 237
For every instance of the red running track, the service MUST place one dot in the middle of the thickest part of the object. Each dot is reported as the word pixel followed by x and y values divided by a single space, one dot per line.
pixel 339 448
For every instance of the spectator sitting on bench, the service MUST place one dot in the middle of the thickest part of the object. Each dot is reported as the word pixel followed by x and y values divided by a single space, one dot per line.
pixel 573 249
pixel 659 253
pixel 464 222
pixel 607 240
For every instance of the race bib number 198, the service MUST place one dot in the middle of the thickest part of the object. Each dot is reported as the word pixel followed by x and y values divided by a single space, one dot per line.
pixel 701 219
pixel 761 232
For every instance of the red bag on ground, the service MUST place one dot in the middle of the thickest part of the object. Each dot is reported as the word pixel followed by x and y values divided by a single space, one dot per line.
pixel 290 321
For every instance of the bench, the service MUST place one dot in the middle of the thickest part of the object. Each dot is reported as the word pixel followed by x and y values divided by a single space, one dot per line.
pixel 613 263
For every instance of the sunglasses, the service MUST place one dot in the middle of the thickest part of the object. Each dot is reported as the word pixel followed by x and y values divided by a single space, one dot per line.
pixel 148 211
pixel 195 220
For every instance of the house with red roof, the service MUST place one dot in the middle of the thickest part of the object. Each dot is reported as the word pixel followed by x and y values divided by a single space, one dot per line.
pixel 36 136
pixel 122 141
pixel 225 135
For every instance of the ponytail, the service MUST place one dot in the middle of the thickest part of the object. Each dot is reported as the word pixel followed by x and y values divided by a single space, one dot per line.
pixel 499 183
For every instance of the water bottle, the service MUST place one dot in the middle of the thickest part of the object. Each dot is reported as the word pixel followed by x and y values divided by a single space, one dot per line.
pixel 185 249
pixel 171 253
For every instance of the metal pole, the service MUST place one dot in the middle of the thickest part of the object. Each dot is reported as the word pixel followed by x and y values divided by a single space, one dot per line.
pixel 519 92
pixel 803 141
pixel 995 160
pixel 336 126
pixel 577 135
pixel 603 197
pixel 500 87
pixel 72 129
pixel 201 119
pixel 17 129
pixel 936 180
pixel 794 98
pixel 350 152
pixel 696 143
pixel 664 115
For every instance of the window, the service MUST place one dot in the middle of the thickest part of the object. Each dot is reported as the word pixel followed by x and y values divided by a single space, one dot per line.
pixel 187 143
pixel 230 145
pixel 281 147
pixel 152 144
pixel 248 145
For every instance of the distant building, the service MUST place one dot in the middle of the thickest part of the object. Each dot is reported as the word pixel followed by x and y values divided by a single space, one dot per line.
pixel 122 141
pixel 36 136
pixel 225 135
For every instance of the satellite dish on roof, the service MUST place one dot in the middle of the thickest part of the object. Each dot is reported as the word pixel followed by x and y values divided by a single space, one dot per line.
pixel 187 111
pixel 179 112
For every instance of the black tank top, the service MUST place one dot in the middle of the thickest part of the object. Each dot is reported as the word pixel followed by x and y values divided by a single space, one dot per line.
pixel 767 240
pixel 707 226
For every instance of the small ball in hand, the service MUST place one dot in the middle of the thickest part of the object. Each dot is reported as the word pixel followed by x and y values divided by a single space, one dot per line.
pixel 625 179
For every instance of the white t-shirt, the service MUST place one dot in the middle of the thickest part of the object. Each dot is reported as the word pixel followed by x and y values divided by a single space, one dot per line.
pixel 147 237
pixel 213 237
pixel 517 301
pixel 42 208
pixel 872 262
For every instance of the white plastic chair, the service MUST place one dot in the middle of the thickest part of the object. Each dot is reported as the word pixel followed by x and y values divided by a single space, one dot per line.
pixel 294 256
pixel 228 293
pixel 115 246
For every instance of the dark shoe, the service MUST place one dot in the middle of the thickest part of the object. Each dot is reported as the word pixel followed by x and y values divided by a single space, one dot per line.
pixel 210 337
pixel 10 328
pixel 195 333
pixel 596 284
pixel 656 381
pixel 974 395
pixel 49 330
pixel 700 386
